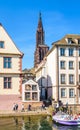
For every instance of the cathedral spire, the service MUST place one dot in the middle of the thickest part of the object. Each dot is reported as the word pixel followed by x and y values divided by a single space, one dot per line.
pixel 41 47
pixel 40 26
pixel 40 32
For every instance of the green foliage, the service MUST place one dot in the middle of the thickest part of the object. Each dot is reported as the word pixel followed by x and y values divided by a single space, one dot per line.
pixel 45 125
pixel 50 110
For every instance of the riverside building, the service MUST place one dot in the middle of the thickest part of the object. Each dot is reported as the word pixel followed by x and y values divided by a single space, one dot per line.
pixel 59 72
pixel 10 71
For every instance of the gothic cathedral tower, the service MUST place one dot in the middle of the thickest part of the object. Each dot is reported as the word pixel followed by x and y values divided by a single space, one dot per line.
pixel 41 47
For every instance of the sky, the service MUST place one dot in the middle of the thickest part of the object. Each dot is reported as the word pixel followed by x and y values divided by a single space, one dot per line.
pixel 20 19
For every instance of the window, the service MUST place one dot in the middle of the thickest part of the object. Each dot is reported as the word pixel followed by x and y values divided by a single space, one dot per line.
pixel 34 87
pixel 70 64
pixel 62 51
pixel 1 44
pixel 71 93
pixel 69 40
pixel 7 62
pixel 62 78
pixel 27 96
pixel 70 51
pixel 62 64
pixel 71 79
pixel 34 96
pixel 7 82
pixel 79 65
pixel 27 87
pixel 63 92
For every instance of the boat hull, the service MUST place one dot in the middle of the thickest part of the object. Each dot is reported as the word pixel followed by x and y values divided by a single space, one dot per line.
pixel 66 122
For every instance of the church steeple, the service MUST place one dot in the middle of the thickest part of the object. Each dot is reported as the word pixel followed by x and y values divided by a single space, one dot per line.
pixel 40 26
pixel 40 32
pixel 41 47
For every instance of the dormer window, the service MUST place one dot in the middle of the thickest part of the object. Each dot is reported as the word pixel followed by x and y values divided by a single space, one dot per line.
pixel 69 40
pixel 78 41
pixel 1 44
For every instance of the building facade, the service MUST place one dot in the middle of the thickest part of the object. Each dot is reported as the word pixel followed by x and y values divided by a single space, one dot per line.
pixel 41 47
pixel 41 78
pixel 63 69
pixel 10 67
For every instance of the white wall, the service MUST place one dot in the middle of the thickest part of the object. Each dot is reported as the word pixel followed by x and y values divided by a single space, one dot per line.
pixel 9 46
pixel 10 50
pixel 51 67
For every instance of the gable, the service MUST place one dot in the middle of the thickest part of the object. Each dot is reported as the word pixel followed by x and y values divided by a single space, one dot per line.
pixel 9 46
pixel 30 82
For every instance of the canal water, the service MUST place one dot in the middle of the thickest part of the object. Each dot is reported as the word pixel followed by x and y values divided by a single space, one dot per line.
pixel 26 123
pixel 32 123
pixel 61 127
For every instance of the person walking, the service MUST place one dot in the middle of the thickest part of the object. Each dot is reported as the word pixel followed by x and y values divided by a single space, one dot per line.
pixel 14 108
pixel 22 107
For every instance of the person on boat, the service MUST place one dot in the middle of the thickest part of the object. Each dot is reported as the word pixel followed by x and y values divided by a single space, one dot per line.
pixel 57 107
pixel 67 105
pixel 75 117
pixel 53 113
pixel 70 110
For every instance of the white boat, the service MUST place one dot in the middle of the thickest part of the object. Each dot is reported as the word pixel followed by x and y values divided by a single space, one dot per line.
pixel 65 119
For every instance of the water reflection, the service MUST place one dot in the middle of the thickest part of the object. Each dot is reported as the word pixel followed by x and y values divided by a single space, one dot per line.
pixel 32 123
pixel 44 124
pixel 26 123
pixel 61 127
pixel 16 121
pixel 38 123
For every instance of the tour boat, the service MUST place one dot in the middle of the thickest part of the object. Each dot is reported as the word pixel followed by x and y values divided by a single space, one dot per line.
pixel 66 119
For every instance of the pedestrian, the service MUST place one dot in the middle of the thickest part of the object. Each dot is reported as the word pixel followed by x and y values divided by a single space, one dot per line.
pixel 14 108
pixel 22 107
pixel 44 106
pixel 29 107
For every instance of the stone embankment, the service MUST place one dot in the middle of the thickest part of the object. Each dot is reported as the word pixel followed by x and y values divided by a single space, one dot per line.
pixel 25 113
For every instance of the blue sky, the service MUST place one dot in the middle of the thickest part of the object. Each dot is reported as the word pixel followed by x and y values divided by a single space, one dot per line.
pixel 20 19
